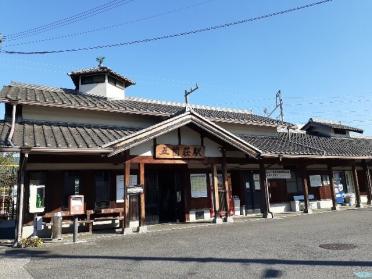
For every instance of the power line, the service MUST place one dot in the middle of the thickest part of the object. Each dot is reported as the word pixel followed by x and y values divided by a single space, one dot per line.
pixel 108 27
pixel 68 20
pixel 169 36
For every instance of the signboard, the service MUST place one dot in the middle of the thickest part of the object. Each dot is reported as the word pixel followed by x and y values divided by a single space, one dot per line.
pixel 135 190
pixel 76 204
pixel 199 185
pixel 167 151
pixel 36 198
pixel 278 174
pixel 315 180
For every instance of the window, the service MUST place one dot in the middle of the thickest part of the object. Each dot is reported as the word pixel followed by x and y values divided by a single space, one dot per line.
pixel 198 185
pixel 339 131
pixel 115 82
pixel 93 79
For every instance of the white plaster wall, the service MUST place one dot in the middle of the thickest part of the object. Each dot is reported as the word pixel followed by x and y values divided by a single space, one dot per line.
pixel 212 149
pixel 144 149
pixel 248 129
pixel 87 117
pixel 169 138
pixel 98 89
pixel 115 93
pixel 189 136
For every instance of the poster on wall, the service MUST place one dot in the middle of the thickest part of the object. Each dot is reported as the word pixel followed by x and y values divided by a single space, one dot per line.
pixel 198 185
pixel 120 186
pixel 256 179
pixel 315 180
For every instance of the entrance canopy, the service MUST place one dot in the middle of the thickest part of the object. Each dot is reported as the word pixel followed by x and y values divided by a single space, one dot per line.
pixel 175 122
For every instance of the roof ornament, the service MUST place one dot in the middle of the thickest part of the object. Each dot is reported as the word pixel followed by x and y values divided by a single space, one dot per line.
pixel 100 60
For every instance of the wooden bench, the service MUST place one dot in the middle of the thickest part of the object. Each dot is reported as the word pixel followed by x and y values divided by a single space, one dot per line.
pixel 90 216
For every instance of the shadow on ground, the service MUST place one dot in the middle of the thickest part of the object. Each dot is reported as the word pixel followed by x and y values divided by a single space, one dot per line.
pixel 47 255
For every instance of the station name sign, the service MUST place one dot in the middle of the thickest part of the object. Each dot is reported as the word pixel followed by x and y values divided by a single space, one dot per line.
pixel 278 174
pixel 167 151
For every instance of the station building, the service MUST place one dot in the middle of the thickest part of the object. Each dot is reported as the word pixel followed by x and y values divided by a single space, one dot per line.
pixel 192 162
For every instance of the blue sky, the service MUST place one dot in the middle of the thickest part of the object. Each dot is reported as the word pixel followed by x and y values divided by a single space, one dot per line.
pixel 320 58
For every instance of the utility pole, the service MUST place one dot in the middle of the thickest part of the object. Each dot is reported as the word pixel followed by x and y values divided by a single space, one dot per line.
pixel 278 105
pixel 187 93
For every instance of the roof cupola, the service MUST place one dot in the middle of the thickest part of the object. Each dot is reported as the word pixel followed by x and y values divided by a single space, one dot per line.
pixel 101 81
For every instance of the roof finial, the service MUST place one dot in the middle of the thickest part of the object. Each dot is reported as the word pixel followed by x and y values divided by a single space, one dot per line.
pixel 100 60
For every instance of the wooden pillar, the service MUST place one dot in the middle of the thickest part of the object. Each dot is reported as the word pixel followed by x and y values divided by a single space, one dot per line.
pixel 305 183
pixel 226 185
pixel 264 191
pixel 356 186
pixel 142 218
pixel 332 187
pixel 216 198
pixel 126 197
pixel 20 198
pixel 368 182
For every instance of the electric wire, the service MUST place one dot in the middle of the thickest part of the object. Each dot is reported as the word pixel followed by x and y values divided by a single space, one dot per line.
pixel 108 27
pixel 169 36
pixel 67 21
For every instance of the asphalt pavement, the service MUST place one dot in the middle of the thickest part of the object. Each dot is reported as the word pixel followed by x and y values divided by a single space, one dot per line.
pixel 284 247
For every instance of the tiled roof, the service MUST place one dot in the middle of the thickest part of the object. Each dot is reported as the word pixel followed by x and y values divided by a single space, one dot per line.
pixel 55 135
pixel 61 135
pixel 75 74
pixel 304 144
pixel 59 97
pixel 330 124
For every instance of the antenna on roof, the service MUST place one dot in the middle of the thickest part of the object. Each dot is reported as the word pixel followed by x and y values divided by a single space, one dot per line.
pixel 187 93
pixel 100 60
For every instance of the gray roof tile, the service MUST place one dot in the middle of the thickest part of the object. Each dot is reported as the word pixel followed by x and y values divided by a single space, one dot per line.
pixel 59 97
pixel 304 144
pixel 61 135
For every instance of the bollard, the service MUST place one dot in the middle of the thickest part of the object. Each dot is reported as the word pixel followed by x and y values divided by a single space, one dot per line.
pixel 76 228
pixel 57 226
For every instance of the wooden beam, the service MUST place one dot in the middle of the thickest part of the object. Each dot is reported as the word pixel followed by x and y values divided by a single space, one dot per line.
pixel 225 182
pixel 332 187
pixel 126 197
pixel 305 189
pixel 367 174
pixel 142 195
pixel 356 185
pixel 216 198
pixel 151 160
pixel 264 191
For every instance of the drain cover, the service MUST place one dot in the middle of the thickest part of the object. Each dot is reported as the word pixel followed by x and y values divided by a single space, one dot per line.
pixel 337 246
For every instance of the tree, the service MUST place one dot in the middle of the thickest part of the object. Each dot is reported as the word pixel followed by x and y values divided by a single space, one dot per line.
pixel 8 178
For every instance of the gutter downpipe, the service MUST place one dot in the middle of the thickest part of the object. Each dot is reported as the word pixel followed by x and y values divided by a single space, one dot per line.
pixel 10 136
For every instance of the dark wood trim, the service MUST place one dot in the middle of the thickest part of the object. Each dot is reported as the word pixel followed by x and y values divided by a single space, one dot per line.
pixel 356 186
pixel 367 174
pixel 216 198
pixel 305 184
pixel 179 136
pixel 264 191
pixel 332 187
